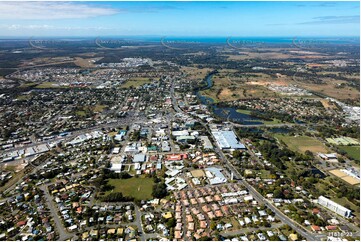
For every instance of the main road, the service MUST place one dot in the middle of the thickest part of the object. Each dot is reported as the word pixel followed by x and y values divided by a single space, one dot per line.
pixel 75 133
pixel 260 199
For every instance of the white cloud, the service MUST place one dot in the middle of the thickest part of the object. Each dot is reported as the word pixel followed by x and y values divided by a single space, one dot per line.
pixel 47 27
pixel 51 10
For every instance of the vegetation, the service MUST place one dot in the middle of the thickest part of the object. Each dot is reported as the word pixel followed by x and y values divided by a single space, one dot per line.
pixel 302 143
pixel 139 188
pixel 351 151
pixel 160 190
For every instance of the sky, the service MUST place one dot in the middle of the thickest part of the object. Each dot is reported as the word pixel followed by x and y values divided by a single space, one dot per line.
pixel 32 19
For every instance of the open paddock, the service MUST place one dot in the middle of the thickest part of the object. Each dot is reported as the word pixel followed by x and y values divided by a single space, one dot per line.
pixel 302 143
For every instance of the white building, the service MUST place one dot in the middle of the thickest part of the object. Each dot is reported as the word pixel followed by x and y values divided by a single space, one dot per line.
pixel 335 207
pixel 227 140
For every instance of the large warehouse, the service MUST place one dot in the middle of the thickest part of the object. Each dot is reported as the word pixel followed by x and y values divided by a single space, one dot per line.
pixel 227 140
pixel 335 207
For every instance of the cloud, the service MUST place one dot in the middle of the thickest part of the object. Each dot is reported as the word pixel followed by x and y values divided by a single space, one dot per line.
pixel 52 10
pixel 334 20
pixel 47 27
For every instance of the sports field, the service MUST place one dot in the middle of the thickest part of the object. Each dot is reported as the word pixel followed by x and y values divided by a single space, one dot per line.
pixel 136 82
pixel 302 143
pixel 349 179
pixel 352 151
pixel 139 188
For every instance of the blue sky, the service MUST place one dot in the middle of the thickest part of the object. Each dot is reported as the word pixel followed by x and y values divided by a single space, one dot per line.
pixel 179 18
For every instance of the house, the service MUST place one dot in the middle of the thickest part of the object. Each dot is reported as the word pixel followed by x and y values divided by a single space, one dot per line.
pixel 94 233
pixel 315 228
pixel 261 236
pixel 85 235
pixel 331 227
pixel 177 234
pixel 120 231
pixel 149 228
pixel 167 215
pixel 139 158
pixel 293 237
pixel 73 227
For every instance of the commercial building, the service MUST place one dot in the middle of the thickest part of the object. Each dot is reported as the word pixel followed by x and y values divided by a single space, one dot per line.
pixel 335 207
pixel 206 142
pixel 227 140
pixel 215 176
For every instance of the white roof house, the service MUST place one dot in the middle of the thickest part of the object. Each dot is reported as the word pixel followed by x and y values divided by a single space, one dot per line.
pixel 139 158
pixel 116 168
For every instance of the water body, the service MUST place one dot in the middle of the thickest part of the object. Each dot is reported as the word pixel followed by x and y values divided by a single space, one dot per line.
pixel 228 113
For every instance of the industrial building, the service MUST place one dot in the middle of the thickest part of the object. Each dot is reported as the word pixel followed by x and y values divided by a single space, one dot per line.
pixel 335 207
pixel 227 140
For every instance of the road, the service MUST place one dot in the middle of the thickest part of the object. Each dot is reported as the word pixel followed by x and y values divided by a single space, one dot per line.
pixel 63 234
pixel 247 230
pixel 260 199
pixel 123 121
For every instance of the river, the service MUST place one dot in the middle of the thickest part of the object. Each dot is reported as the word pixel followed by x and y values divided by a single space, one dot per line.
pixel 228 113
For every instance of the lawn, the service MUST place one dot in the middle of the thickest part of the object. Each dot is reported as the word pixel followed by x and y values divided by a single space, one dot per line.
pixel 80 113
pixel 274 121
pixel 23 97
pixel 139 188
pixel 352 151
pixel 49 85
pixel 29 84
pixel 302 143
pixel 346 203
pixel 243 111
pixel 136 82
pixel 248 112
pixel 264 174
pixel 99 108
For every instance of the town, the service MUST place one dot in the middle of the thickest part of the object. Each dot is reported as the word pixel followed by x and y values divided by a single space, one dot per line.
pixel 178 139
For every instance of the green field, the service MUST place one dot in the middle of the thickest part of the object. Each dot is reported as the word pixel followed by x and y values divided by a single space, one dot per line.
pixel 248 112
pixel 302 143
pixel 139 188
pixel 352 151
pixel 23 97
pixel 136 82
pixel 243 111
pixel 80 113
pixel 46 85
pixel 99 108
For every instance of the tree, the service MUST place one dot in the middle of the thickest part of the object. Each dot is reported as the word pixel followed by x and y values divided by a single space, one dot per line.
pixel 160 190
pixel 171 223
pixel 277 193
